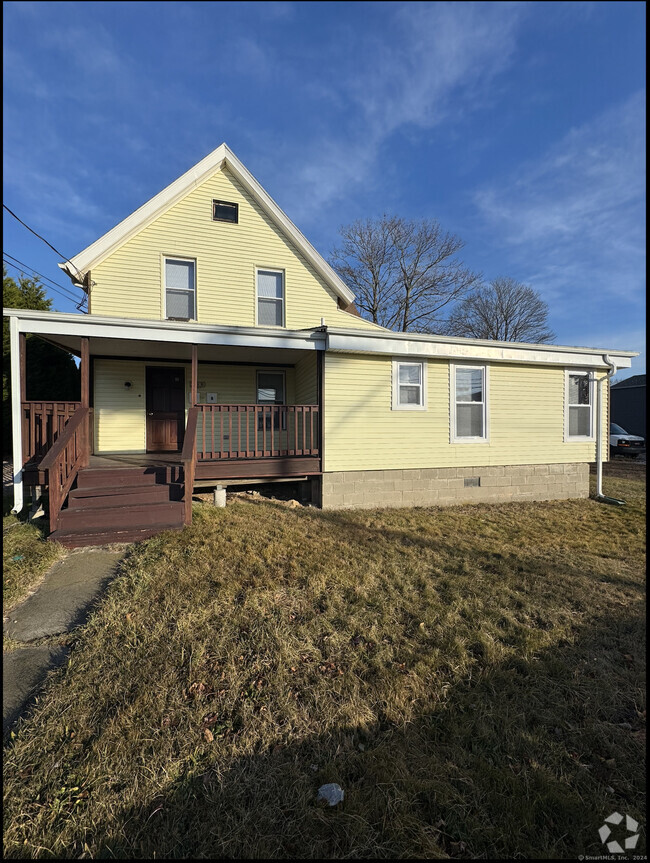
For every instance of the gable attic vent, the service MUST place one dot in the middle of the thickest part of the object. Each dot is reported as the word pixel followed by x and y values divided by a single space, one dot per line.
pixel 223 211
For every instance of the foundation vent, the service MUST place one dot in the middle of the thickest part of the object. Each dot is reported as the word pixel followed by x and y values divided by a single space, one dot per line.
pixel 472 481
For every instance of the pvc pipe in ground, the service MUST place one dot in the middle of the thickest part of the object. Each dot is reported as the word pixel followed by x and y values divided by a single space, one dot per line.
pixel 219 496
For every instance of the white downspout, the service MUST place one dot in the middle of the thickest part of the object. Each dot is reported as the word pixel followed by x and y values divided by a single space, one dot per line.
pixel 16 413
pixel 611 370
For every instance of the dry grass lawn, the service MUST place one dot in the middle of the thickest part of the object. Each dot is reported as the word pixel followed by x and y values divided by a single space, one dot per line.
pixel 25 557
pixel 472 677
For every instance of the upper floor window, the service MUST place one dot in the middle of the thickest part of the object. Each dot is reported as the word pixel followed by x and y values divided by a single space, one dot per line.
pixel 270 298
pixel 409 386
pixel 223 211
pixel 469 404
pixel 180 289
pixel 579 397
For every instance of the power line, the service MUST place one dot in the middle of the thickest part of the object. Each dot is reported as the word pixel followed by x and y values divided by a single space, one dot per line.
pixel 65 296
pixel 47 278
pixel 11 212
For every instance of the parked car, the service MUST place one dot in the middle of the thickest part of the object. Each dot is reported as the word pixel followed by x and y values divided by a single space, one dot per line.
pixel 623 443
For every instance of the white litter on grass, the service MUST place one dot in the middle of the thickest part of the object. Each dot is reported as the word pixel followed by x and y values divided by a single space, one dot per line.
pixel 331 793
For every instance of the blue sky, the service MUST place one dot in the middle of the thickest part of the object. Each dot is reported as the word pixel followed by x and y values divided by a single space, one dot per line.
pixel 519 126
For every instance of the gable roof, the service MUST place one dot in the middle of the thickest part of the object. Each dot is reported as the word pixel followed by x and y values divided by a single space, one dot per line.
pixel 78 266
pixel 634 381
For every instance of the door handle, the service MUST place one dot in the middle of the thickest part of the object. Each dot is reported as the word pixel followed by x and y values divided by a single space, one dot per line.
pixel 149 413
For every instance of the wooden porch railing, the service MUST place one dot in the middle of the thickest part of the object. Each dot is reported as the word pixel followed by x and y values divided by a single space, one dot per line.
pixel 42 423
pixel 68 454
pixel 256 431
pixel 188 457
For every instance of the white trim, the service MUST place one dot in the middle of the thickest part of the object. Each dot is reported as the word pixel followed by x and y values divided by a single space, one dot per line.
pixel 16 414
pixel 181 332
pixel 396 405
pixel 166 258
pixel 453 436
pixel 591 437
pixel 99 250
pixel 472 350
pixel 318 338
pixel 284 296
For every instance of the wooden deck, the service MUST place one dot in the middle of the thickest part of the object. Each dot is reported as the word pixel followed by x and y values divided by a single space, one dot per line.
pixel 218 469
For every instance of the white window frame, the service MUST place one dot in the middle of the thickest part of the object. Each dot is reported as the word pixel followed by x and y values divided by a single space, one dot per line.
pixel 572 438
pixel 453 436
pixel 166 258
pixel 284 297
pixel 397 405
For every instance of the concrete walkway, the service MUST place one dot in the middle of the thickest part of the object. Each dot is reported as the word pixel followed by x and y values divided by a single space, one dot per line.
pixel 61 602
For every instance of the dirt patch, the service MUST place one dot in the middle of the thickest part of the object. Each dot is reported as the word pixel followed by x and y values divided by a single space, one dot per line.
pixel 287 494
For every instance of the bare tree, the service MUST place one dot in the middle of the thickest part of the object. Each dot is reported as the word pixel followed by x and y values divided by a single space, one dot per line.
pixel 367 263
pixel 402 272
pixel 504 310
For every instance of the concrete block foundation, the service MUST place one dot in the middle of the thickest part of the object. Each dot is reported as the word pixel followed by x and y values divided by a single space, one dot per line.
pixel 445 486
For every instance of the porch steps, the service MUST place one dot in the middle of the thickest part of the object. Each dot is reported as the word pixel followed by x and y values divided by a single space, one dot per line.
pixel 120 505
pixel 81 538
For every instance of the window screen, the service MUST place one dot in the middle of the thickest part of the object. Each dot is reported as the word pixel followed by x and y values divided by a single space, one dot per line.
pixel 180 289
pixel 410 391
pixel 579 403
pixel 470 402
pixel 270 388
pixel 270 298
pixel 222 211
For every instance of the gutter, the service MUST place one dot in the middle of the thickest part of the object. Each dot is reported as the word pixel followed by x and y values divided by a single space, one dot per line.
pixel 611 370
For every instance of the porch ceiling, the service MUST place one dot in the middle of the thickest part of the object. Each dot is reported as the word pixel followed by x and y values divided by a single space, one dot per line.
pixel 119 348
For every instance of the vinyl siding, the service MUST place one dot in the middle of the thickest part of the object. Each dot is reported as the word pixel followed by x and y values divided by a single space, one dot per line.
pixel 307 381
pixel 120 413
pixel 362 432
pixel 129 282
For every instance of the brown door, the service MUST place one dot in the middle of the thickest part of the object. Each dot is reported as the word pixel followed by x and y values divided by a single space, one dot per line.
pixel 165 409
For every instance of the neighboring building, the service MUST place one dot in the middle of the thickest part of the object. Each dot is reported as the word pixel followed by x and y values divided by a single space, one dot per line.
pixel 219 346
pixel 628 407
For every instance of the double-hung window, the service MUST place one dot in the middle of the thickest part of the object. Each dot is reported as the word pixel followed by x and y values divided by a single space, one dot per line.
pixel 469 404
pixel 270 298
pixel 579 400
pixel 180 289
pixel 271 391
pixel 409 386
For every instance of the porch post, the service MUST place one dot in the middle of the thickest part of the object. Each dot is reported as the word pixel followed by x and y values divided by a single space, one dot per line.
pixel 85 396
pixel 320 372
pixel 23 390
pixel 195 375
pixel 17 384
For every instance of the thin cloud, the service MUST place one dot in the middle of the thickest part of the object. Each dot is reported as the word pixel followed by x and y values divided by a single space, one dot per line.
pixel 577 216
pixel 439 62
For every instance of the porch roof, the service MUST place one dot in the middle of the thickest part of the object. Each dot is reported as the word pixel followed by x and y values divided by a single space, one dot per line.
pixel 172 339
pixel 138 337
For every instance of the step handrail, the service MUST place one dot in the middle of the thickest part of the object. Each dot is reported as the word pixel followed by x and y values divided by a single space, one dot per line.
pixel 188 457
pixel 63 461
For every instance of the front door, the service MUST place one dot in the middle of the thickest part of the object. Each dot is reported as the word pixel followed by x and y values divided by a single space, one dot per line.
pixel 165 408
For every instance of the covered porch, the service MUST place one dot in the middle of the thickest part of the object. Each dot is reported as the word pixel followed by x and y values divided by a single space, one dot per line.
pixel 215 403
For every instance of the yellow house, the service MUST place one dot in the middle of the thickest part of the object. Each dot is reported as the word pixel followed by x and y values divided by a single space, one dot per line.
pixel 220 347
